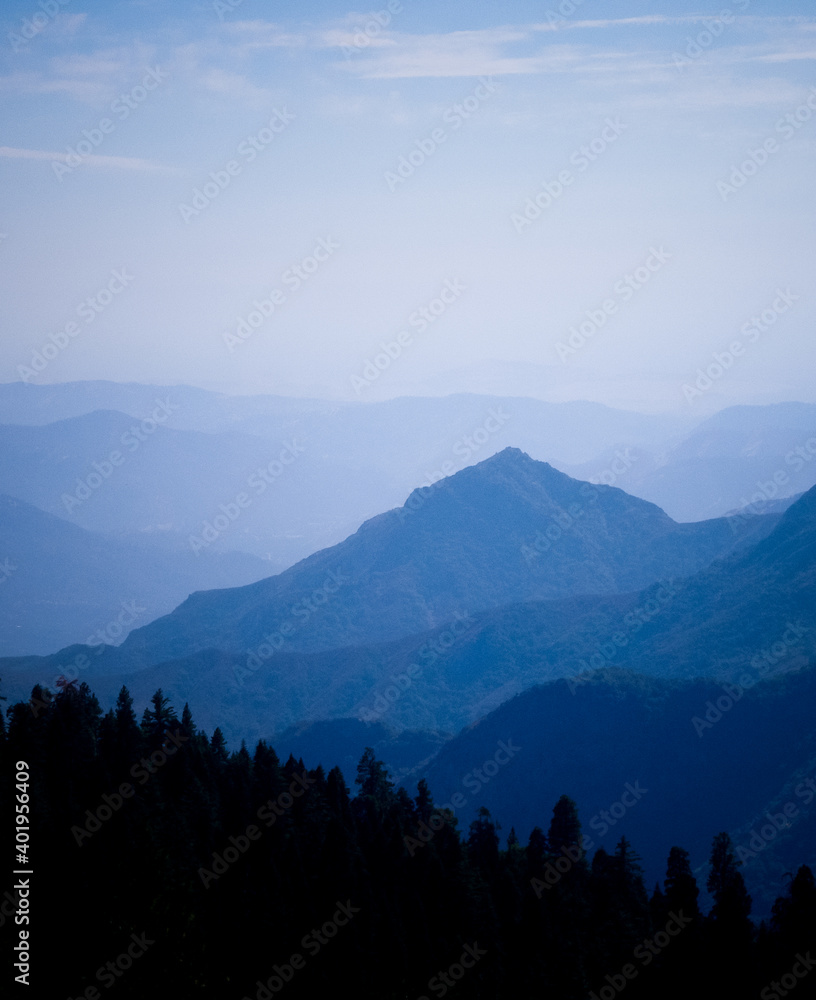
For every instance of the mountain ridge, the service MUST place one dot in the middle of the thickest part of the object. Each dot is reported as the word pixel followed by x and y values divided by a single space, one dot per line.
pixel 505 530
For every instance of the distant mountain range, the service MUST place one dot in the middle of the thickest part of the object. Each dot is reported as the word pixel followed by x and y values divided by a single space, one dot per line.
pixel 507 530
pixel 650 668
pixel 651 759
pixel 745 455
pixel 185 470
pixel 462 609
pixel 368 457
pixel 61 583
pixel 642 759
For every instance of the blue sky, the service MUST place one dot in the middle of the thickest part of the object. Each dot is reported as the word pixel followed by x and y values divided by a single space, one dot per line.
pixel 618 193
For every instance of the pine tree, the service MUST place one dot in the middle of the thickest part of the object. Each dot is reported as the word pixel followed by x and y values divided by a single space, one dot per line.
pixel 732 904
pixel 681 886
pixel 159 718
pixel 373 779
pixel 565 829
pixel 794 915
pixel 218 746
pixel 731 931
pixel 483 843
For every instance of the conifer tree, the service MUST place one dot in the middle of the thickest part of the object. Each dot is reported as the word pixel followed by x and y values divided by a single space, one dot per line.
pixel 680 885
pixel 158 720
pixel 732 904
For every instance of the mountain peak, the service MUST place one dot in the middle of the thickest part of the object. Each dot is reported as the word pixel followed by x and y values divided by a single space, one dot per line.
pixel 511 457
pixel 510 470
pixel 802 511
pixel 508 454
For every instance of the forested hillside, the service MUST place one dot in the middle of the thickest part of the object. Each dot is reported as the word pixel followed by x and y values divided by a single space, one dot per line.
pixel 230 873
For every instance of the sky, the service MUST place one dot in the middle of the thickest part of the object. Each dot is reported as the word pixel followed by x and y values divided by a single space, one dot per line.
pixel 578 201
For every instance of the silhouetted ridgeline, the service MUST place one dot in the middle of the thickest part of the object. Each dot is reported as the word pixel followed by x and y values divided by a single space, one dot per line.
pixel 160 860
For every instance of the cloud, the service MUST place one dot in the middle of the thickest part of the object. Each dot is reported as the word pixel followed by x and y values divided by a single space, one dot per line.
pixel 118 162
pixel 458 53
pixel 339 39
pixel 67 25
pixel 638 72
pixel 646 20
pixel 649 20
pixel 251 35
pixel 90 78
pixel 478 52
pixel 783 57
pixel 83 90
pixel 233 86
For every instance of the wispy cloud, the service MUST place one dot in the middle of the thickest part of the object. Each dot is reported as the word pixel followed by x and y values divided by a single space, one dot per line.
pixel 86 91
pixel 234 86
pixel 640 75
pixel 458 53
pixel 646 20
pixel 338 38
pixel 90 78
pixel 264 35
pixel 650 20
pixel 118 162
pixel 783 57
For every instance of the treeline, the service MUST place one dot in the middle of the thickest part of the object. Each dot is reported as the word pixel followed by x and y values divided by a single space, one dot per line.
pixel 161 860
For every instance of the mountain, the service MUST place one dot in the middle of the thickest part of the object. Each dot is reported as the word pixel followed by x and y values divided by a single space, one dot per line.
pixel 61 584
pixel 354 460
pixel 743 455
pixel 341 743
pixel 398 572
pixel 310 475
pixel 106 471
pixel 507 530
pixel 778 506
pixel 641 760
pixel 693 468
pixel 411 435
